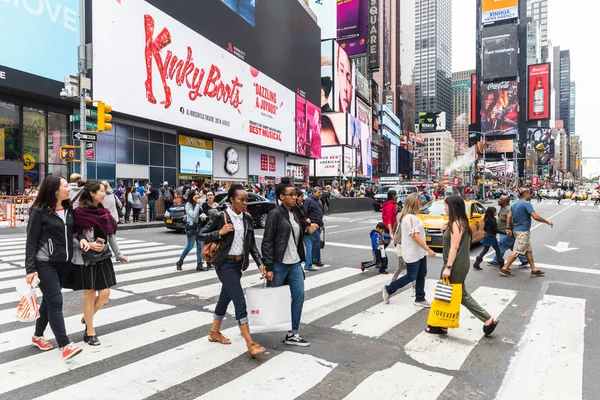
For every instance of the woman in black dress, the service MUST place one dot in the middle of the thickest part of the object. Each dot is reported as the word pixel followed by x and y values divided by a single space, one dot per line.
pixel 94 227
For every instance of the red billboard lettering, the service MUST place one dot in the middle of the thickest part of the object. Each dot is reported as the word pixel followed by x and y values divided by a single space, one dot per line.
pixel 272 163
pixel 264 162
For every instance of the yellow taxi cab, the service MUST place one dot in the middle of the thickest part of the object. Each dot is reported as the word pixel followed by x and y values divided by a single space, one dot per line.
pixel 569 194
pixel 594 195
pixel 433 215
pixel 580 196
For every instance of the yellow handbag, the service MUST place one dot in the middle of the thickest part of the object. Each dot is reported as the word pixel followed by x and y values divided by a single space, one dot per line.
pixel 446 314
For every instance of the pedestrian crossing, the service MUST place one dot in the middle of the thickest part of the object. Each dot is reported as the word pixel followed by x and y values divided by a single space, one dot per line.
pixel 565 203
pixel 155 346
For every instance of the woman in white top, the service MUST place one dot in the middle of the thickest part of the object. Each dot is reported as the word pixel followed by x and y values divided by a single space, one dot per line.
pixel 414 252
pixel 110 201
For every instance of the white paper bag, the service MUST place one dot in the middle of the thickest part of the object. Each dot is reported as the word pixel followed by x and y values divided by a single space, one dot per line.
pixel 27 310
pixel 269 309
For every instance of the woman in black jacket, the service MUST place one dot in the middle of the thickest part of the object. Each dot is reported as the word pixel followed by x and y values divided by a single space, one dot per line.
pixel 283 252
pixel 489 240
pixel 48 254
pixel 234 229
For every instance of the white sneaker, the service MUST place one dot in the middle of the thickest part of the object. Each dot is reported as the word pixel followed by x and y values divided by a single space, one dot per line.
pixel 424 304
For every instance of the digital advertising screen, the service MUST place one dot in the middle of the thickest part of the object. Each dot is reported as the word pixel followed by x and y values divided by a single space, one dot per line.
pixel 359 137
pixel 498 10
pixel 352 26
pixel 327 75
pixel 500 52
pixel 344 82
pixel 195 161
pixel 308 128
pixel 538 92
pixel 333 129
pixel 500 108
pixel 495 149
pixel 540 140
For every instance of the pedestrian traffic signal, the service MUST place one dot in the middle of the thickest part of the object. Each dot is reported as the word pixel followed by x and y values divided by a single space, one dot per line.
pixel 104 117
pixel 69 153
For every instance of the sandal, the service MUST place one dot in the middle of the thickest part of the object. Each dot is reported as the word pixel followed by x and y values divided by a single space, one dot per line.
pixel 255 349
pixel 488 329
pixel 217 336
pixel 436 330
pixel 92 340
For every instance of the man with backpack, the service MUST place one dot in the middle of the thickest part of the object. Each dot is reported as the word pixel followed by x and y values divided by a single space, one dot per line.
pixel 152 195
pixel 167 194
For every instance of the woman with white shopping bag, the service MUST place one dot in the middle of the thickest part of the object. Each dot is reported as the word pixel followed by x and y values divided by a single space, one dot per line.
pixel 283 252
pixel 235 233
pixel 48 254
pixel 456 261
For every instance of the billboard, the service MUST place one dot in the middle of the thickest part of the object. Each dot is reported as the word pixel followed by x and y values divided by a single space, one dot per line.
pixel 363 112
pixel 333 129
pixel 326 12
pixel 352 26
pixel 540 140
pixel 330 163
pixel 495 149
pixel 473 98
pixel 373 35
pixel 497 10
pixel 250 25
pixel 500 48
pixel 500 108
pixel 308 128
pixel 359 137
pixel 195 156
pixel 538 91
pixel 432 121
pixel 327 75
pixel 344 81
pixel 177 76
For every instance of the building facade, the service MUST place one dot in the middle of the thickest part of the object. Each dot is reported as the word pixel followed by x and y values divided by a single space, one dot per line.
pixel 461 110
pixel 538 13
pixel 576 157
pixel 565 89
pixel 433 51
pixel 572 108
pixel 438 150
pixel 406 54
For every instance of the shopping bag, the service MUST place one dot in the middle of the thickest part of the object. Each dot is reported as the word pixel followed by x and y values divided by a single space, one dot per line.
pixel 27 310
pixel 269 309
pixel 446 314
pixel 443 291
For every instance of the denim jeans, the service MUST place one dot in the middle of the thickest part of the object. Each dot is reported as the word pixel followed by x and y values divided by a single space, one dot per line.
pixel 507 243
pixel 152 204
pixel 51 309
pixel 230 273
pixel 312 246
pixel 190 246
pixel 295 278
pixel 415 271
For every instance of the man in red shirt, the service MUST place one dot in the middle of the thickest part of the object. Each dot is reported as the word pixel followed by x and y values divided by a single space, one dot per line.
pixel 389 211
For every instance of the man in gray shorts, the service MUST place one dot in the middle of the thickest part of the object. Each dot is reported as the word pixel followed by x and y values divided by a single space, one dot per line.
pixel 519 224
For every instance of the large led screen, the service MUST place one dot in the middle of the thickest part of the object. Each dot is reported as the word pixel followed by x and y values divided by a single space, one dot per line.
pixel 500 49
pixel 500 108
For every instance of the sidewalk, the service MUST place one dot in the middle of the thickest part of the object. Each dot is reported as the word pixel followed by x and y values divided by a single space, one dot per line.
pixel 22 227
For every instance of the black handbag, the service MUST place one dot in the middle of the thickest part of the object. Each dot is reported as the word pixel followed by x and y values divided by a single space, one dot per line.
pixel 191 230
pixel 94 257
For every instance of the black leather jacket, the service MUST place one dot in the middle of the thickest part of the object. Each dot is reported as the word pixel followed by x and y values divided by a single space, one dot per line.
pixel 210 233
pixel 277 235
pixel 49 239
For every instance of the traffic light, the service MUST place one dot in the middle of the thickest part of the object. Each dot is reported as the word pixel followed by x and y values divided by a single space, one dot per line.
pixel 69 153
pixel 104 117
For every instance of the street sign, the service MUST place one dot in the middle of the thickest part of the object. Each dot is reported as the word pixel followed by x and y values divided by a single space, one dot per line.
pixel 84 136
pixel 89 145
pixel 89 113
pixel 90 154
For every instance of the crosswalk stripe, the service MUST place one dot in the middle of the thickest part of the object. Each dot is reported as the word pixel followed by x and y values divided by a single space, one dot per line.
pixel 12 240
pixel 6 266
pixel 555 340
pixel 327 303
pixel 451 352
pixel 22 337
pixel 12 297
pixel 382 317
pixel 157 252
pixel 311 282
pixel 11 273
pixel 403 381
pixel 285 376
pixel 133 246
pixel 154 262
pixel 174 366
pixel 41 366
pixel 151 286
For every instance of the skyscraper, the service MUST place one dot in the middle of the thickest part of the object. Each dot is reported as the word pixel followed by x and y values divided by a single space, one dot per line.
pixel 433 55
pixel 461 110
pixel 572 108
pixel 538 11
pixel 565 89
pixel 406 72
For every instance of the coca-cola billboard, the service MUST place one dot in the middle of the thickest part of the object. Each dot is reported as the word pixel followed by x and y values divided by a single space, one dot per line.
pixel 538 92
pixel 161 70
pixel 500 108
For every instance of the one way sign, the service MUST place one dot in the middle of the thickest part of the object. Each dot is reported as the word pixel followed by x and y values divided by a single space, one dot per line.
pixel 84 136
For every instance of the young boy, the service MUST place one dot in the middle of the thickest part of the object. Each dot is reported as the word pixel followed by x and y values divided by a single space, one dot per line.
pixel 378 235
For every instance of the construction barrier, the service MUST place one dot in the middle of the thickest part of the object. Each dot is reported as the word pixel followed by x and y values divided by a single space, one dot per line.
pixel 14 209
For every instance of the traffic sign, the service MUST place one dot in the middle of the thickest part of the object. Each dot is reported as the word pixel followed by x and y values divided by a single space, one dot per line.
pixel 89 113
pixel 89 145
pixel 84 136
pixel 90 154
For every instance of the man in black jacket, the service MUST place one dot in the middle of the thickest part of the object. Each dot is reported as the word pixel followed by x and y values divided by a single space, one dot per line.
pixel 313 209
pixel 283 253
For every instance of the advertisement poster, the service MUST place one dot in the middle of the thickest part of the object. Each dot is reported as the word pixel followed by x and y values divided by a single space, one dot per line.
pixel 308 128
pixel 333 129
pixel 496 148
pixel 538 92
pixel 432 122
pixel 174 75
pixel 330 163
pixel 500 48
pixel 326 12
pixel 393 159
pixel 497 10
pixel 327 75
pixel 540 140
pixel 195 156
pixel 473 98
pixel 500 108
pixel 265 163
pixel 352 26
pixel 244 8
pixel 363 112
pixel 359 136
pixel 344 82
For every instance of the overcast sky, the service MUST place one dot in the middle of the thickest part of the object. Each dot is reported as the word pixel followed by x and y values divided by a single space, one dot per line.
pixel 573 26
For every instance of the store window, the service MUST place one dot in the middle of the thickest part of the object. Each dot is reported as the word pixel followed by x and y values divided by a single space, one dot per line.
pixel 124 150
pixel 10 143
pixel 105 148
pixel 34 145
pixel 140 153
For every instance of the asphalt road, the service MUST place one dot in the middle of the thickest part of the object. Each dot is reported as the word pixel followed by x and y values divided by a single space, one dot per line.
pixel 153 330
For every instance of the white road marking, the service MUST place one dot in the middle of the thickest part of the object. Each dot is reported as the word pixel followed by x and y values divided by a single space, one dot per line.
pixel 382 317
pixel 451 351
pixel 560 212
pixel 28 370
pixel 350 230
pixel 403 381
pixel 285 376
pixel 151 286
pixel 549 360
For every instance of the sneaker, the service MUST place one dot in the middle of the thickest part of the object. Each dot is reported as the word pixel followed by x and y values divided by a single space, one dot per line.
pixel 295 340
pixel 362 267
pixel 312 269
pixel 41 343
pixel 424 304
pixel 70 351
pixel 319 264
pixel 383 273
pixel 494 264
pixel 385 294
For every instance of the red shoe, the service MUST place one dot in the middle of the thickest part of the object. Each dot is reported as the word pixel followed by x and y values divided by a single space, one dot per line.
pixel 41 343
pixel 384 273
pixel 70 351
pixel 362 267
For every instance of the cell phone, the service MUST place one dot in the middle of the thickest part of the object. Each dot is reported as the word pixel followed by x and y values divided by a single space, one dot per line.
pixel 35 282
pixel 100 241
